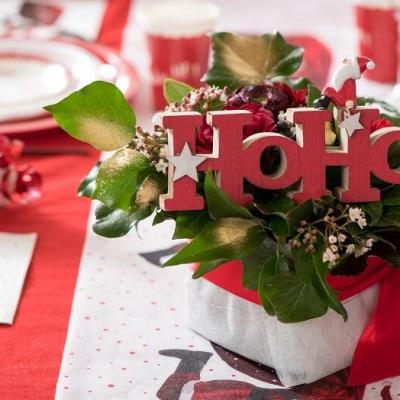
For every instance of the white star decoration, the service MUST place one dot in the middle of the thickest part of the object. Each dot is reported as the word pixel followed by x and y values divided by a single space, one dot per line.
pixel 351 122
pixel 185 164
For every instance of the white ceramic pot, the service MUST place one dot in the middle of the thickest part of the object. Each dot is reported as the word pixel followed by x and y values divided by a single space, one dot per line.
pixel 300 352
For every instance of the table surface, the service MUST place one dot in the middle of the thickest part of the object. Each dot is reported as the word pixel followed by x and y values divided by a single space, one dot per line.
pixel 126 335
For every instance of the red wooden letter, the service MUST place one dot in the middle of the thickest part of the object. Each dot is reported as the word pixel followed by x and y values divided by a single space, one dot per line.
pixel 289 171
pixel 227 157
pixel 382 139
pixel 181 193
pixel 355 156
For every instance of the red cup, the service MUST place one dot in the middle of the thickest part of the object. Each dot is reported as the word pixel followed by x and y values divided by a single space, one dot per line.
pixel 178 42
pixel 183 59
pixel 378 39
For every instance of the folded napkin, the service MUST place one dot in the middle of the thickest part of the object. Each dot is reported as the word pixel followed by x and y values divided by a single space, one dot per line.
pixel 15 256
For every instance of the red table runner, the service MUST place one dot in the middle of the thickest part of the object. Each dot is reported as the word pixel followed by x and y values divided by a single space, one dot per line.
pixel 31 349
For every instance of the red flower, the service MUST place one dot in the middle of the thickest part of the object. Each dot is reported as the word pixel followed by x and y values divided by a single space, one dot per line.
pixel 263 120
pixel 204 138
pixel 299 97
pixel 380 123
pixel 274 97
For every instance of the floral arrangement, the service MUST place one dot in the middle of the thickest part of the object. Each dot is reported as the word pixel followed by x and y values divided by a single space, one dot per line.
pixel 287 249
pixel 19 184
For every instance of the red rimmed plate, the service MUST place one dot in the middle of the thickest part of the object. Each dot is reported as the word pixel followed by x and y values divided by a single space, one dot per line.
pixel 110 67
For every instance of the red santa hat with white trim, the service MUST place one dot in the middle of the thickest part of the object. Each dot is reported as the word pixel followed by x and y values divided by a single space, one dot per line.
pixel 364 63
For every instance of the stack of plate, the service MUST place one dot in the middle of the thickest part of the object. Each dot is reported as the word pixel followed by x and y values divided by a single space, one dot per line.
pixel 35 73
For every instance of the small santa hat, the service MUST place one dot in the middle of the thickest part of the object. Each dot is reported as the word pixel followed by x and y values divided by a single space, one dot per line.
pixel 364 63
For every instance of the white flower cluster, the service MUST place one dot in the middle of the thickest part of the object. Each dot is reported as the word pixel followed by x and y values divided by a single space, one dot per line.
pixel 153 146
pixel 338 242
pixel 202 100
pixel 358 215
pixel 331 253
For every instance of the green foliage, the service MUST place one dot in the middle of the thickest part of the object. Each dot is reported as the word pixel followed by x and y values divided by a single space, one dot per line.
pixel 292 299
pixel 97 114
pixel 283 224
pixel 117 179
pixel 220 205
pixel 391 196
pixel 239 60
pixel 255 261
pixel 190 223
pixel 225 238
pixel 272 265
pixel 313 94
pixel 114 223
pixel 88 185
pixel 207 266
pixel 175 91
pixel 374 211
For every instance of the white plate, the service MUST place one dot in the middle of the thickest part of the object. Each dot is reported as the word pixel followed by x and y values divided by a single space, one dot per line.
pixel 34 73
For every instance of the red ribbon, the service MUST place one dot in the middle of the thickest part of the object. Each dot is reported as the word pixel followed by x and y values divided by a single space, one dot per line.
pixel 377 355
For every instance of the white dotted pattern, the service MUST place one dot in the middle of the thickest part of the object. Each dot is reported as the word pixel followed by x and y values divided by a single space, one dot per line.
pixel 125 311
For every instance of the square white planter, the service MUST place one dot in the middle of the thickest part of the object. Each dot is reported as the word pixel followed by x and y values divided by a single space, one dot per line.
pixel 300 353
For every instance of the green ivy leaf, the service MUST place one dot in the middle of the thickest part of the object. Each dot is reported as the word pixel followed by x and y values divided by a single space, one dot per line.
pixel 175 91
pixel 387 246
pixel 97 114
pixel 303 264
pixel 313 94
pixel 279 204
pixel 303 211
pixel 112 223
pixel 279 226
pixel 272 266
pixel 322 287
pixel 225 238
pixel 150 189
pixel 292 299
pixel 220 205
pixel 207 266
pixel 239 60
pixel 374 211
pixel 190 223
pixel 254 262
pixel 391 196
pixel 390 217
pixel 313 271
pixel 283 224
pixel 116 181
pixel 88 185
pixel 161 216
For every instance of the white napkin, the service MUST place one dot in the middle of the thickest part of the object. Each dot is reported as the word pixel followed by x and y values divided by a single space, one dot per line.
pixel 15 256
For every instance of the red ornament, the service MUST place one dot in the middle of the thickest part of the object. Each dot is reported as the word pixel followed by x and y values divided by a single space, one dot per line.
pixel 343 91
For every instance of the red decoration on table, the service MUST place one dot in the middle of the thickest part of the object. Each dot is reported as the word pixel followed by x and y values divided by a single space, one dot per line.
pixel 31 350
pixel 378 38
pixel 19 184
pixel 360 154
pixel 184 59
pixel 343 93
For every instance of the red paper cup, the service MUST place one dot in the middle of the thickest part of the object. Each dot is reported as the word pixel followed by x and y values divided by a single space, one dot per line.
pixel 178 41
pixel 378 38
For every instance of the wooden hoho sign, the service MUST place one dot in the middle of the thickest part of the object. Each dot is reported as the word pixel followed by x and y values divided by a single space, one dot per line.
pixel 359 155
